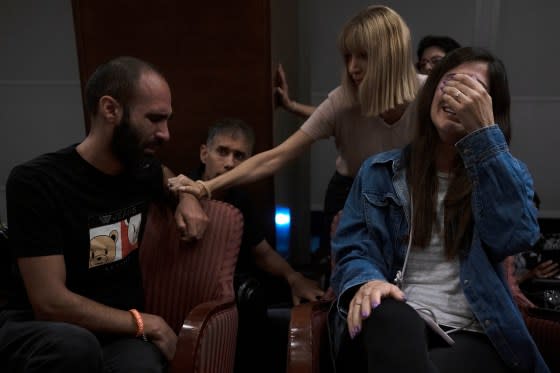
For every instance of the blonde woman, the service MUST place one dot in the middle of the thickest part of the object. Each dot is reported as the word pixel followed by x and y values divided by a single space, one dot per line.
pixel 370 112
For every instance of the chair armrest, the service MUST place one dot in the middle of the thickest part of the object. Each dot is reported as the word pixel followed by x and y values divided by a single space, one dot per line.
pixel 543 313
pixel 308 337
pixel 544 326
pixel 214 319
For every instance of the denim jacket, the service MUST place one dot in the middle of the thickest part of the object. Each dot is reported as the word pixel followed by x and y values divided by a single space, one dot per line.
pixel 371 238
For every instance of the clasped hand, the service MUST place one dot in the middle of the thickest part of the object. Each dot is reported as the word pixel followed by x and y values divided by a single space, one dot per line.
pixel 190 218
pixel 181 183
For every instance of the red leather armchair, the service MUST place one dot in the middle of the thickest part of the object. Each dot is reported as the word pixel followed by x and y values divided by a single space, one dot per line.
pixel 190 285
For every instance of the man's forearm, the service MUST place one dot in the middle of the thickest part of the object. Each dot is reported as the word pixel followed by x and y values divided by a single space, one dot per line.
pixel 268 260
pixel 76 309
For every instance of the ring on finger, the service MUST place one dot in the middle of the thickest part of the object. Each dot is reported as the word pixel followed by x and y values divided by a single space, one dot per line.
pixel 457 94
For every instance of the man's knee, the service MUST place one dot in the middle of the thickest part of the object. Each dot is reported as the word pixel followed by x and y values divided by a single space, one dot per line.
pixel 133 355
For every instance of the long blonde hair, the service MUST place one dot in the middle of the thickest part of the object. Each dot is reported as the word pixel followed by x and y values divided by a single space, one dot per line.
pixel 390 79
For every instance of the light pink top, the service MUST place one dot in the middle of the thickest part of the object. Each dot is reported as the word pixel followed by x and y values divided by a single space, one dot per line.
pixel 357 137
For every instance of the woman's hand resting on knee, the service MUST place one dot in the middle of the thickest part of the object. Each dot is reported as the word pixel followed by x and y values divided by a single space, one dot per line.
pixel 368 297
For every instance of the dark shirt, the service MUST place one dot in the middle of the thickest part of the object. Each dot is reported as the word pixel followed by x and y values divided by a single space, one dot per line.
pixel 59 204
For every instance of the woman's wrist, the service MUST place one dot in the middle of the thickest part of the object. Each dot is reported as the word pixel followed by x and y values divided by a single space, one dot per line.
pixel 292 106
pixel 205 188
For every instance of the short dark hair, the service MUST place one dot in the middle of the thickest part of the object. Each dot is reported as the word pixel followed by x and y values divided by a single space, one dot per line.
pixel 445 43
pixel 231 127
pixel 116 78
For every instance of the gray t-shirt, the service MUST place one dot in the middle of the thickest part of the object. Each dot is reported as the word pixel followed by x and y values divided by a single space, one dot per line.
pixel 431 282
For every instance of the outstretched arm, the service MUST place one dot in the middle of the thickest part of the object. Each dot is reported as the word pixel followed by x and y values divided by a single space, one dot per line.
pixel 253 169
pixel 283 96
pixel 268 260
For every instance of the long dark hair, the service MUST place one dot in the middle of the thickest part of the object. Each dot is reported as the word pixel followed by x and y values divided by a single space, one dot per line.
pixel 421 157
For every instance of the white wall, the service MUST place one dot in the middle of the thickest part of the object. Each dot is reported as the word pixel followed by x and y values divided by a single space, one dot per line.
pixel 40 100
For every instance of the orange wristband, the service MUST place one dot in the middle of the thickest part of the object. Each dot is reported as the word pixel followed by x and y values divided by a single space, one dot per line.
pixel 139 324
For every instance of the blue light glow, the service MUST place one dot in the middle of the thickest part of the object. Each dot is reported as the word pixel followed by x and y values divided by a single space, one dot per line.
pixel 282 220
pixel 282 217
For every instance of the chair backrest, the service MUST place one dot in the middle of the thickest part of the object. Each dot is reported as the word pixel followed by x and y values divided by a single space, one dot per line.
pixel 179 275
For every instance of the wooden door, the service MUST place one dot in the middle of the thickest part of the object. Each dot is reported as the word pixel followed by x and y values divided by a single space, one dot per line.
pixel 215 55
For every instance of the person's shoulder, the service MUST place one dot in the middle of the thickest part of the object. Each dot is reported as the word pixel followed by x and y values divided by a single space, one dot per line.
pixel 239 197
pixel 381 166
pixel 44 163
pixel 387 157
pixel 336 92
pixel 338 95
pixel 341 101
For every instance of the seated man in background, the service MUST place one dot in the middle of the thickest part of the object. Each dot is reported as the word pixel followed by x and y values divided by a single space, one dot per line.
pixel 230 142
pixel 76 217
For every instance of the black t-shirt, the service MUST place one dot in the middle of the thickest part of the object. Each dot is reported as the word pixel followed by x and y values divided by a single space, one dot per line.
pixel 59 204
pixel 252 230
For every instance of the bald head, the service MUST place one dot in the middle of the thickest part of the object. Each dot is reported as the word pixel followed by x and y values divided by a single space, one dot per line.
pixel 117 78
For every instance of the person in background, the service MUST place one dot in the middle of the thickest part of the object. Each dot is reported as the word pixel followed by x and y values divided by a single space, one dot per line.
pixel 229 143
pixel 419 246
pixel 371 111
pixel 76 218
pixel 431 50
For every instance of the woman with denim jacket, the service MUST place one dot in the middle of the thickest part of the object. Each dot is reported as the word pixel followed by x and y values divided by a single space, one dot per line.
pixel 423 233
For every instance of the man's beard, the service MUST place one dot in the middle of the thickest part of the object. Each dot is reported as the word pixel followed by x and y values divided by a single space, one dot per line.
pixel 126 143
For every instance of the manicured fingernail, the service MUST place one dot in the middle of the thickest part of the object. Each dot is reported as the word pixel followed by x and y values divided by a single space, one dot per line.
pixel 365 313
pixel 357 329
pixel 375 304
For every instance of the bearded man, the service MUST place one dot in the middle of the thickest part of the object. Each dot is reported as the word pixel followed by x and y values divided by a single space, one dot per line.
pixel 75 219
